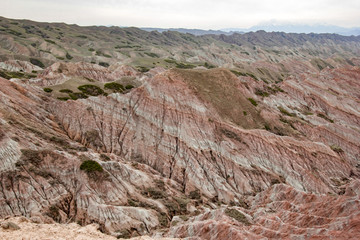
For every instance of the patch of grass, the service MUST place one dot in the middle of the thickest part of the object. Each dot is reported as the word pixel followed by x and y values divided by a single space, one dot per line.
pixel 50 41
pixel 285 112
pixel 154 193
pixel 219 88
pixel 153 55
pixel 142 69
pixel 238 216
pixel 37 62
pixel 65 90
pixel 104 64
pixel 117 87
pixel 91 166
pixel 91 90
pixel 68 56
pixel 209 66
pixel 48 90
pixel 129 86
pixel 336 149
pixel 262 93
pixel 253 102
pixel 34 157
pixel 170 60
pixel 63 98
pixel 185 65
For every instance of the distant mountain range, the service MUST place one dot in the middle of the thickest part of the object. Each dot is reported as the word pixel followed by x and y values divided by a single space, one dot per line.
pixel 288 28
pixel 196 32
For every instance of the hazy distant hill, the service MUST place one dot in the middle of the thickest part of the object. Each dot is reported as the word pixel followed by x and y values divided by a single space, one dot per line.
pixel 290 28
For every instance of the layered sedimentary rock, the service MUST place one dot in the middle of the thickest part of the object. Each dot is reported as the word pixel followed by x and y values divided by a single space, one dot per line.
pixel 212 154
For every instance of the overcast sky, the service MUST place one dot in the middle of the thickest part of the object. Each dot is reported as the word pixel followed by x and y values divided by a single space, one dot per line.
pixel 204 14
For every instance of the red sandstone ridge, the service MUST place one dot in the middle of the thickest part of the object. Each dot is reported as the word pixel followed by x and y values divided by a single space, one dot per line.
pixel 186 154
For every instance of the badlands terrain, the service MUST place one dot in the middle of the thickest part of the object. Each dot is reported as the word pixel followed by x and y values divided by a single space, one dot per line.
pixel 110 132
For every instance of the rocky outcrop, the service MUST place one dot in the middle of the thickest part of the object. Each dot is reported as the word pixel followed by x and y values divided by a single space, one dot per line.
pixel 60 72
pixel 280 212
pixel 19 66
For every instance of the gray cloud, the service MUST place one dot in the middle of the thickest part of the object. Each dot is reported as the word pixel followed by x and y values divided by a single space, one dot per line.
pixel 206 14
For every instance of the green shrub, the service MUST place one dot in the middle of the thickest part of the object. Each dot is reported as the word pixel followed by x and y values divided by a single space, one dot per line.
pixel 170 60
pixel 129 86
pixel 63 98
pixel 208 65
pixel 114 86
pixel 91 49
pixel 267 127
pixel 37 62
pixel 91 166
pixel 336 149
pixel 253 102
pixel 91 90
pixel 68 56
pixel 245 113
pixel 50 41
pixel 142 69
pixel 238 216
pixel 65 90
pixel 185 65
pixel 48 90
pixel 104 64
pixel 262 93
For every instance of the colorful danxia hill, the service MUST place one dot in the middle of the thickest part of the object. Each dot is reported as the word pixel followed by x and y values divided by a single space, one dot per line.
pixel 109 132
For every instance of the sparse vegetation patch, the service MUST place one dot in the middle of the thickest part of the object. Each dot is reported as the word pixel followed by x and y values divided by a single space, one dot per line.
pixel 48 90
pixel 253 102
pixel 91 90
pixel 238 216
pixel 116 87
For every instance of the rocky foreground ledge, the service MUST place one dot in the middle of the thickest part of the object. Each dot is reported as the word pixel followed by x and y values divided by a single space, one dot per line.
pixel 16 228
